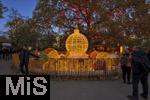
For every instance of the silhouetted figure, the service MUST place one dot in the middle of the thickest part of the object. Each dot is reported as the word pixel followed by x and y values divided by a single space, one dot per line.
pixel 139 73
pixel 126 68
pixel 6 54
pixel 148 54
pixel 1 54
pixel 10 53
pixel 24 60
pixel 129 61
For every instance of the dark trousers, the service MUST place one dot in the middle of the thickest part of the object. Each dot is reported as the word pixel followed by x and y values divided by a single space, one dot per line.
pixel 1 56
pixel 24 67
pixel 143 77
pixel 126 73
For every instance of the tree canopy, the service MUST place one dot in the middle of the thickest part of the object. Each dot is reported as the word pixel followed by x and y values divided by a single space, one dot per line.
pixel 109 22
pixel 2 9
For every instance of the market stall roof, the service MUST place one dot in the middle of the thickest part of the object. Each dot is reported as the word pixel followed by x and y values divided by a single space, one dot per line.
pixel 7 44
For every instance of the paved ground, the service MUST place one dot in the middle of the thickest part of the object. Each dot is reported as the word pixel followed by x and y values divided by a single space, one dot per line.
pixel 5 68
pixel 81 90
pixel 89 90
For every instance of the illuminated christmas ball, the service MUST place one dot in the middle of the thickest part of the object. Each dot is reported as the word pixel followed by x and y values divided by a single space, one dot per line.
pixel 103 55
pixel 53 54
pixel 77 44
pixel 47 50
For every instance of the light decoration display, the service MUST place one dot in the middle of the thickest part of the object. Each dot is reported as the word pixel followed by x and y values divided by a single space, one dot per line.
pixel 121 49
pixel 53 54
pixel 108 58
pixel 48 50
pixel 77 45
pixel 93 54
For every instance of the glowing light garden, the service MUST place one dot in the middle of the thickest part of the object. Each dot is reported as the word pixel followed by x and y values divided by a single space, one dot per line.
pixel 75 62
pixel 106 29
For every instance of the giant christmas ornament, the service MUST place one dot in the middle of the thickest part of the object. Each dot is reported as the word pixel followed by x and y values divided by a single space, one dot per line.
pixel 53 54
pixel 77 45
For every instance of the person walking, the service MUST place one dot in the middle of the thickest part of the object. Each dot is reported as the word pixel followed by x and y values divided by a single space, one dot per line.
pixel 124 67
pixel 148 54
pixel 4 53
pixel 24 60
pixel 139 73
pixel 129 61
pixel 1 55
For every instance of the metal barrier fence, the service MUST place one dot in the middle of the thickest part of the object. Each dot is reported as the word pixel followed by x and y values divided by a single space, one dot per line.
pixel 74 68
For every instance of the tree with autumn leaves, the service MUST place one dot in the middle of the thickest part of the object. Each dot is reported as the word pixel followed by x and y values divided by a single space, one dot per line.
pixel 108 22
pixel 105 21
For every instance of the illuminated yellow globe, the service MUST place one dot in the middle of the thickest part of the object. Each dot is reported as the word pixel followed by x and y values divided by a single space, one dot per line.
pixel 77 44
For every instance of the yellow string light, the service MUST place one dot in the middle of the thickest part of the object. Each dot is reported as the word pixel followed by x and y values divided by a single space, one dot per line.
pixel 76 44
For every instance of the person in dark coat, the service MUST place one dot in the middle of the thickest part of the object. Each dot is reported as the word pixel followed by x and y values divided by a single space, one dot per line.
pixel 148 54
pixel 129 61
pixel 4 53
pixel 1 54
pixel 24 59
pixel 139 73
pixel 126 68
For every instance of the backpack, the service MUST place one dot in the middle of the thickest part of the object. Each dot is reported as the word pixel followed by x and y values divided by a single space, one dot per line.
pixel 142 58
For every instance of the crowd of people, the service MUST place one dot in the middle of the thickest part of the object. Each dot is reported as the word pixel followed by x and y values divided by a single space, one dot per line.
pixel 137 63
pixel 5 54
